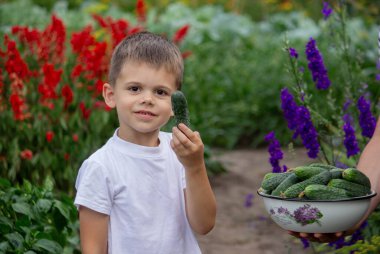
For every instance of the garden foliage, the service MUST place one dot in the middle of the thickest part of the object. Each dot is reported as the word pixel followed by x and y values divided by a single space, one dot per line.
pixel 35 220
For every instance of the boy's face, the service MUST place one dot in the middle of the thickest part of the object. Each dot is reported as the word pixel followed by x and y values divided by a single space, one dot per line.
pixel 142 97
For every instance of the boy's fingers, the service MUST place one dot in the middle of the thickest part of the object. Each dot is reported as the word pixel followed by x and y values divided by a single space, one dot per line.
pixel 187 131
pixel 181 137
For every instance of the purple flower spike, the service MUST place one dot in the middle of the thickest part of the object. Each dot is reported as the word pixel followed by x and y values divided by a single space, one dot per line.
pixel 326 11
pixel 350 141
pixel 307 132
pixel 248 200
pixel 289 108
pixel 293 53
pixel 305 243
pixel 316 66
pixel 275 152
pixel 366 120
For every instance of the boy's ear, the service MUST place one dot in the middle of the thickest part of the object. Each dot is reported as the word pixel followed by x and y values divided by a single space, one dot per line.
pixel 109 95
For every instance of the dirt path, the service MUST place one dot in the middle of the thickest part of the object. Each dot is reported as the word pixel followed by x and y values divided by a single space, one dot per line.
pixel 240 229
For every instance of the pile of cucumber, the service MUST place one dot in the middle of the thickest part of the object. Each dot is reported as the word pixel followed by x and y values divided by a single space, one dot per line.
pixel 317 182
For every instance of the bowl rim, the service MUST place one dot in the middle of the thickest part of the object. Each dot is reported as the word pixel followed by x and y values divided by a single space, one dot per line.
pixel 368 196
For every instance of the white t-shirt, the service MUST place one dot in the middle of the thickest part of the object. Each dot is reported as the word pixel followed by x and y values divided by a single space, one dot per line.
pixel 141 189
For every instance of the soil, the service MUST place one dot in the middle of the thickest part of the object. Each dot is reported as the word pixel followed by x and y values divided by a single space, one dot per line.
pixel 240 229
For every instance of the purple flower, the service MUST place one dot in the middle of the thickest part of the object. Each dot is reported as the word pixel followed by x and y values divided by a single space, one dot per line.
pixel 305 242
pixel 340 164
pixel 316 65
pixel 248 200
pixel 307 132
pixel 367 121
pixel 283 210
pixel 350 141
pixel 293 52
pixel 289 108
pixel 275 152
pixel 326 11
pixel 307 215
pixel 346 105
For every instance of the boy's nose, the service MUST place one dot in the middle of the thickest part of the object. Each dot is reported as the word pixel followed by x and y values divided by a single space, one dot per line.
pixel 146 99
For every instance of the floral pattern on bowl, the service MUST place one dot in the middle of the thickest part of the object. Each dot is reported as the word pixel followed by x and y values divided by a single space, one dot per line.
pixel 303 215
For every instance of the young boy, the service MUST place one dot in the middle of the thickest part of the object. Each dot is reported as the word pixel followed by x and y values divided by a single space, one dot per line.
pixel 145 191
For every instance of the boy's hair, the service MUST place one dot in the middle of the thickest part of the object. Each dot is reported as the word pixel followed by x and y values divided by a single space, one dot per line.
pixel 149 48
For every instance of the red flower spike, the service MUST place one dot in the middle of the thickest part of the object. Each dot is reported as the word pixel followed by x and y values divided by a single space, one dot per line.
pixel 26 154
pixel 75 137
pixel 180 34
pixel 141 10
pixel 49 136
pixel 85 112
pixel 67 94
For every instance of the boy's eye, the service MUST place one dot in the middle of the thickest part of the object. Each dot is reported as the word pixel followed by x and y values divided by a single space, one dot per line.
pixel 162 92
pixel 134 88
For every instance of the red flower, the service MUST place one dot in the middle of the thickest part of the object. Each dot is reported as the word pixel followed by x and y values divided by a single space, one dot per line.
pixel 85 112
pixel 82 40
pixel 141 10
pixel 180 34
pixel 67 94
pixel 14 63
pixel 66 156
pixel 18 107
pixel 75 137
pixel 26 154
pixel 49 136
pixel 186 54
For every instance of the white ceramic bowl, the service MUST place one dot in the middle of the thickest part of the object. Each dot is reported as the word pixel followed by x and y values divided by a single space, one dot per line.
pixel 300 215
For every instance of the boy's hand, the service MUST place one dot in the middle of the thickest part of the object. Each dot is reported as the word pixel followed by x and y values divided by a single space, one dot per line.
pixel 188 146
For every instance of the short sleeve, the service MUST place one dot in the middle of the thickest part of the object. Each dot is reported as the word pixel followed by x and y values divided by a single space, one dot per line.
pixel 94 189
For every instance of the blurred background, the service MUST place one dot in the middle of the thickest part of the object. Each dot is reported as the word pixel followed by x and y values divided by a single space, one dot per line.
pixel 54 57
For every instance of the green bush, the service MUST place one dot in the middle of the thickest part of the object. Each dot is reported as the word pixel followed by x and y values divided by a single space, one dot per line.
pixel 34 220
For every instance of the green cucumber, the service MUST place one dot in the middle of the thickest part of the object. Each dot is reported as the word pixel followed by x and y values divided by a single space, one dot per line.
pixel 179 106
pixel 324 192
pixel 296 189
pixel 264 191
pixel 336 173
pixel 356 176
pixel 352 189
pixel 321 165
pixel 286 183
pixel 272 180
pixel 306 172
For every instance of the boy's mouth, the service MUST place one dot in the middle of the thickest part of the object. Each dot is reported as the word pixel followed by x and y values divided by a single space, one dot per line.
pixel 143 112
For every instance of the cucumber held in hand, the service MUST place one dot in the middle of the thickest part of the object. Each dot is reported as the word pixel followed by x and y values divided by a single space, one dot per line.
pixel 179 105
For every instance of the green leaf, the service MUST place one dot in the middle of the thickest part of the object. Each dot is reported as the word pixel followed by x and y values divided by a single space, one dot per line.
pixel 43 205
pixel 63 123
pixel 48 245
pixel 5 224
pixel 49 183
pixel 23 208
pixel 4 246
pixel 4 183
pixel 63 209
pixel 15 239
